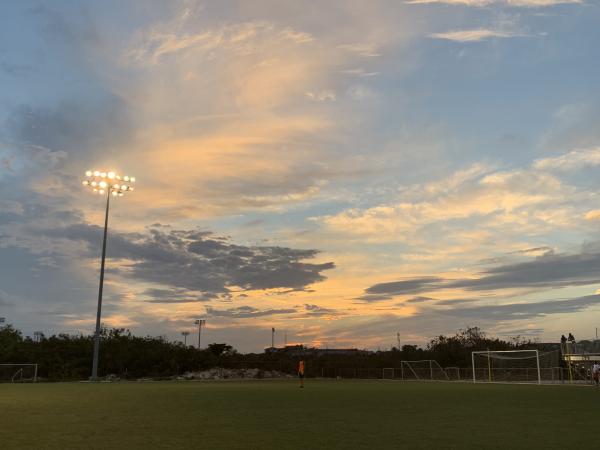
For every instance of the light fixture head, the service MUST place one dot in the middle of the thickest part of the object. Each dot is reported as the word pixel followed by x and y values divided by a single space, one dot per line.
pixel 102 182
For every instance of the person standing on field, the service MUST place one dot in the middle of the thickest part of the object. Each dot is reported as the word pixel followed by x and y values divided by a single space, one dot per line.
pixel 301 373
pixel 596 373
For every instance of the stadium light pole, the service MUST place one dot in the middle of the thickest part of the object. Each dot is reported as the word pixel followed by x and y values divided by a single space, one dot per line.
pixel 185 334
pixel 113 185
pixel 199 322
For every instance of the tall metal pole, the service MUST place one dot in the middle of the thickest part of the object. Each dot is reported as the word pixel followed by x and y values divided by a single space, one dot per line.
pixel 199 334
pixel 94 376
pixel 272 337
pixel 199 322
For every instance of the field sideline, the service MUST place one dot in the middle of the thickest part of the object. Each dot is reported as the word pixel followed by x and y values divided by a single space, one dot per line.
pixel 278 415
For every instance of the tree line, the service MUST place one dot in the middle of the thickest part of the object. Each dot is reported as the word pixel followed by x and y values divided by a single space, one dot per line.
pixel 68 357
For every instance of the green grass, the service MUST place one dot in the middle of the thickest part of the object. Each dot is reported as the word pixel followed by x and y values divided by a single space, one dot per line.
pixel 279 415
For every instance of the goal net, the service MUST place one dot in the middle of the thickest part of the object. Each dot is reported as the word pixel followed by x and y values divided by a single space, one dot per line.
pixel 18 373
pixel 515 366
pixel 422 370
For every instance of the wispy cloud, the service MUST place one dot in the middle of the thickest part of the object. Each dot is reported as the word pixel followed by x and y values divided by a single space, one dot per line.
pixel 321 96
pixel 246 312
pixel 573 160
pixel 493 199
pixel 384 291
pixel 475 35
pixel 366 49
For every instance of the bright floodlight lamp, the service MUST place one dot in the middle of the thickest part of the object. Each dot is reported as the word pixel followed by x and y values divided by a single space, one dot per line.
pixel 101 182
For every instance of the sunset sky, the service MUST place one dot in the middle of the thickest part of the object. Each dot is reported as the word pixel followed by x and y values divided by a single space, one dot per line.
pixel 339 170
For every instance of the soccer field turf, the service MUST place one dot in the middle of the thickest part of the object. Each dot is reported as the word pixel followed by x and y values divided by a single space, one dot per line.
pixel 279 415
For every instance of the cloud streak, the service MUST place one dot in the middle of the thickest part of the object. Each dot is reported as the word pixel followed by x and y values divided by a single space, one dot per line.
pixel 476 35
pixel 544 272
pixel 570 161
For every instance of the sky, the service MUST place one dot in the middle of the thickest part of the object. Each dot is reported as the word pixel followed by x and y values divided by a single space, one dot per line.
pixel 339 171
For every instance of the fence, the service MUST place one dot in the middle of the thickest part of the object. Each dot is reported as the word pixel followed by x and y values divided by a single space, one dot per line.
pixel 553 375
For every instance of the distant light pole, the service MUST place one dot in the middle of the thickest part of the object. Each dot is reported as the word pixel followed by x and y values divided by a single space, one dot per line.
pixel 272 337
pixel 38 336
pixel 113 185
pixel 185 334
pixel 199 322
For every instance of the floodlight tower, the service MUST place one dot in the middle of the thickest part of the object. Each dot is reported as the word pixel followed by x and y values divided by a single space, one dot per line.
pixel 185 334
pixel 113 185
pixel 199 322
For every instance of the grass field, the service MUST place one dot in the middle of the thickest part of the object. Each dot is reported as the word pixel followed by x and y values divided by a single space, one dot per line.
pixel 279 415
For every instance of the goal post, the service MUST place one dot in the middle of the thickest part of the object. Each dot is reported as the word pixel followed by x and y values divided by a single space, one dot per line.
pixel 513 366
pixel 18 373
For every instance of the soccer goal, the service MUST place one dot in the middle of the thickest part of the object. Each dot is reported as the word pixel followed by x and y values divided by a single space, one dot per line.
pixel 422 370
pixel 18 373
pixel 514 366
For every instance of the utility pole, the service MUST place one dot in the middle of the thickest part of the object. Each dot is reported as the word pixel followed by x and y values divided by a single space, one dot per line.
pixel 272 337
pixel 398 338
